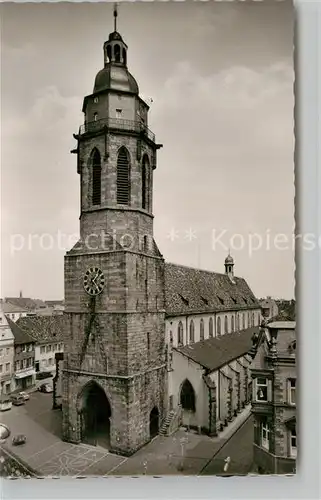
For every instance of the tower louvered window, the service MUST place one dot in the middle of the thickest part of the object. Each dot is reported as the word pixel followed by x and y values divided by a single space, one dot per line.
pixel 96 178
pixel 123 180
pixel 145 183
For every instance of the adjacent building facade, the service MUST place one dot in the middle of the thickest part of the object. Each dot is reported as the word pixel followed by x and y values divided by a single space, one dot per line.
pixel 24 358
pixel 274 400
pixel 6 355
pixel 269 308
pixel 47 332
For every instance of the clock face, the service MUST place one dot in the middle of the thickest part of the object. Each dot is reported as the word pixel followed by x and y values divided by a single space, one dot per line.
pixel 94 281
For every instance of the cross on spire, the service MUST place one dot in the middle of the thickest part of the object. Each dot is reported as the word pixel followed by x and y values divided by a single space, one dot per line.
pixel 115 16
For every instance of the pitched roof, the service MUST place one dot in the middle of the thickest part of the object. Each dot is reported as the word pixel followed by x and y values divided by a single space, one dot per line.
pixel 189 290
pixel 9 308
pixel 25 303
pixel 20 336
pixel 52 303
pixel 43 329
pixel 214 353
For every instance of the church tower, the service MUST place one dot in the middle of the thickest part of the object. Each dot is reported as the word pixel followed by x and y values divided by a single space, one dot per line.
pixel 114 375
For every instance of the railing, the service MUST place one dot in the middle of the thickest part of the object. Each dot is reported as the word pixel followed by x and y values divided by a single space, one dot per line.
pixel 118 124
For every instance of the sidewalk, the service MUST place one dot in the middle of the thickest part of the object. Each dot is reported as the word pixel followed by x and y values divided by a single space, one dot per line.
pixel 235 424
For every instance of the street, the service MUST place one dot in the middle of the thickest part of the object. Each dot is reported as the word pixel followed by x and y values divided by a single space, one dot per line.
pixel 239 449
pixel 185 453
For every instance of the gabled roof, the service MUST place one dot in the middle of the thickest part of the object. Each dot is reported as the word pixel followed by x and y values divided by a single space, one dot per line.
pixel 52 303
pixel 43 329
pixel 25 303
pixel 189 290
pixel 20 336
pixel 215 353
pixel 9 308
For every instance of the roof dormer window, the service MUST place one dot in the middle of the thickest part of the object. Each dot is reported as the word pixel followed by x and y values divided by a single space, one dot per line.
pixel 186 301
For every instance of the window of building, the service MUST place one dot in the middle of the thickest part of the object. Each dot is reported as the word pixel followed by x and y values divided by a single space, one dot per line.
pixel 218 326
pixel 96 177
pixel 17 365
pixel 293 449
pixel 187 396
pixel 210 328
pixel 24 348
pixel 96 100
pixel 42 349
pixel 171 337
pixel 202 329
pixel 95 117
pixel 1 367
pixel 191 332
pixel 48 349
pixel 123 177
pixel 248 320
pixel 1 352
pixel 7 350
pixel 232 323
pixel 265 435
pixel 261 389
pixel 119 113
pixel 24 361
pixel 180 333
pixel 243 321
pixel 291 388
pixel 225 324
pixel 7 367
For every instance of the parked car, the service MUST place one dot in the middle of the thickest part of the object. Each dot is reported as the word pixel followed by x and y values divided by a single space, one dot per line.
pixel 43 375
pixel 19 439
pixel 17 400
pixel 45 388
pixel 5 402
pixel 25 395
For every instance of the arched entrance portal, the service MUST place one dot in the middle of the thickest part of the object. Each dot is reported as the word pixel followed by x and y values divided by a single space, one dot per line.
pixel 95 416
pixel 187 400
pixel 154 422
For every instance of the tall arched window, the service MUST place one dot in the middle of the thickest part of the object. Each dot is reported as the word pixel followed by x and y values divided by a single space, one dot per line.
pixel 117 53
pixel 124 57
pixel 243 321
pixel 96 178
pixel 218 326
pixel 202 329
pixel 225 325
pixel 191 332
pixel 210 328
pixel 248 320
pixel 187 396
pixel 145 183
pixel 123 180
pixel 180 333
pixel 232 323
pixel 253 319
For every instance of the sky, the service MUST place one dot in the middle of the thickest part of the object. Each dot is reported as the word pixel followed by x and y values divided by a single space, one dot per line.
pixel 220 76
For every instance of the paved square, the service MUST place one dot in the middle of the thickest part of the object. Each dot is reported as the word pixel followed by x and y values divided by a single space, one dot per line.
pixel 185 453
